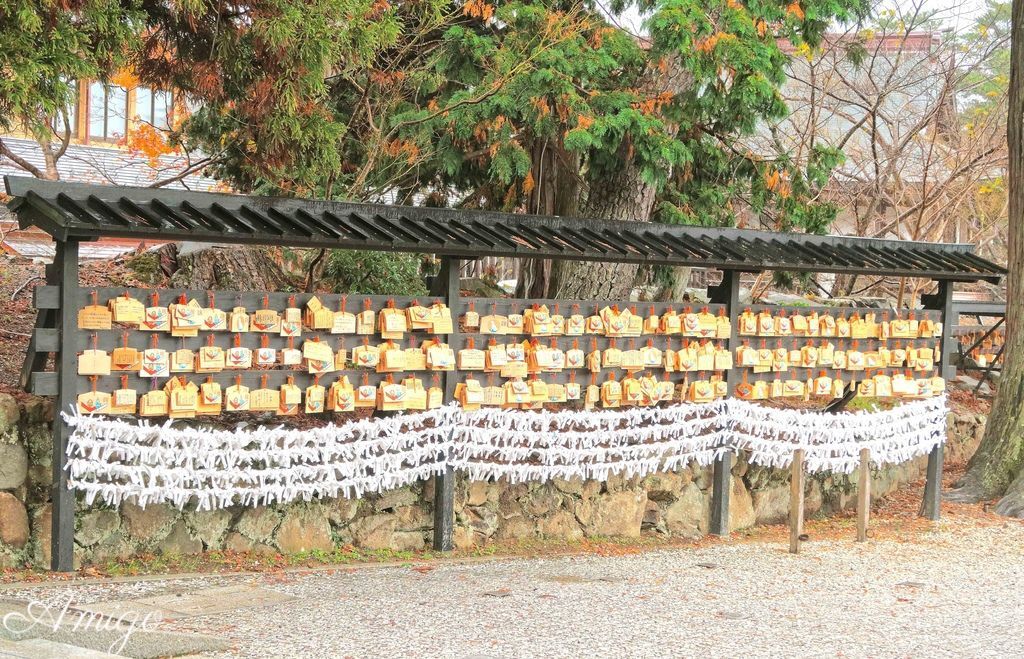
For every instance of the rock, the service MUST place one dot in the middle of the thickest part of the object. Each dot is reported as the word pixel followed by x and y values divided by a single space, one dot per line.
pixel 703 476
pixel 652 518
pixel 374 531
pixel 740 465
pixel 541 500
pixel 96 526
pixel 403 496
pixel 150 523
pixel 615 514
pixel 573 486
pixel 771 504
pixel 615 483
pixel 741 506
pixel 237 542
pixel 561 525
pixel 42 528
pixel 342 511
pixel 14 530
pixel 114 548
pixel 408 541
pixel 209 526
pixel 413 518
pixel 476 493
pixel 516 528
pixel 39 481
pixel 464 537
pixel 13 466
pixel 690 515
pixel 37 410
pixel 179 541
pixel 258 524
pixel 304 529
pixel 9 416
pixel 813 498
pixel 38 439
pixel 482 521
pixel 665 487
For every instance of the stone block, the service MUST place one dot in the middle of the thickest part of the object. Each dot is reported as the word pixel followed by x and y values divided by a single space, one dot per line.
pixel 618 514
pixel 42 528
pixel 771 504
pixel 13 466
pixel 341 511
pixel 690 515
pixel 10 414
pixel 148 524
pixel 179 541
pixel 561 525
pixel 741 506
pixel 96 526
pixel 403 496
pixel 476 493
pixel 258 524
pixel 14 529
pixel 304 529
pixel 237 542
pixel 374 531
pixel 209 526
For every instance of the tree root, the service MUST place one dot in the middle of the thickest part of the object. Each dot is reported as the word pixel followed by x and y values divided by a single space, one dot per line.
pixel 1012 503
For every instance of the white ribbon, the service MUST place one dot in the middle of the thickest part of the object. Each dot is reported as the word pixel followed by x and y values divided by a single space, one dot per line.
pixel 113 459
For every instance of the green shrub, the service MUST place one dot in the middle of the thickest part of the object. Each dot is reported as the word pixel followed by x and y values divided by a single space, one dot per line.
pixel 373 273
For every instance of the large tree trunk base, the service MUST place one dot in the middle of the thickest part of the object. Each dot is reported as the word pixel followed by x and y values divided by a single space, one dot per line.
pixel 579 280
pixel 968 490
pixel 230 269
pixel 1012 504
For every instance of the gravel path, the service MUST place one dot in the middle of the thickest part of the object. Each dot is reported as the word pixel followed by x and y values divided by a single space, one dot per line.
pixel 948 593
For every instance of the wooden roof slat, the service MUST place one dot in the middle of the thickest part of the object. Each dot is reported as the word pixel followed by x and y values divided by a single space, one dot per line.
pixel 85 212
pixel 164 209
pixel 279 226
pixel 158 221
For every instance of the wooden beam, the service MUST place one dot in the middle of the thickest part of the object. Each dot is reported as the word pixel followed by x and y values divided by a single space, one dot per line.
pixel 447 287
pixel 942 300
pixel 62 536
pixel 864 495
pixel 727 293
pixel 796 501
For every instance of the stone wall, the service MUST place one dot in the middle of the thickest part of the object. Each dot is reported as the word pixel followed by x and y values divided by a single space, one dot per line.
pixel 675 503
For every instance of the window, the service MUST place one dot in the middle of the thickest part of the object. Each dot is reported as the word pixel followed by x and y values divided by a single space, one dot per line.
pixel 108 111
pixel 57 121
pixel 154 107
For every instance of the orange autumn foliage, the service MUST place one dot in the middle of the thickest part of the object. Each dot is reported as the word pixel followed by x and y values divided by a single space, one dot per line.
pixel 478 9
pixel 145 140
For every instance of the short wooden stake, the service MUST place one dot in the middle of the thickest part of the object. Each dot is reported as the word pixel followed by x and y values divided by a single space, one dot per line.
pixel 796 501
pixel 864 495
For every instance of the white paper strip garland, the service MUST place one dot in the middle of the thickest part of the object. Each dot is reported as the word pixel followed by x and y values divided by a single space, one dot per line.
pixel 113 459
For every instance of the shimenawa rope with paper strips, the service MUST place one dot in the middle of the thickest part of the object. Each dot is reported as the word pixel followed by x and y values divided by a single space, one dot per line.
pixel 113 460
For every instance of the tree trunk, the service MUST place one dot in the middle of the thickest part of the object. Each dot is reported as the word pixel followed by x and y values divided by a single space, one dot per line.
pixel 675 291
pixel 1001 454
pixel 622 196
pixel 556 192
pixel 230 269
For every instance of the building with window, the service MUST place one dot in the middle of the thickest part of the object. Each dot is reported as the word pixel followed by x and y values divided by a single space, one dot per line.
pixel 100 126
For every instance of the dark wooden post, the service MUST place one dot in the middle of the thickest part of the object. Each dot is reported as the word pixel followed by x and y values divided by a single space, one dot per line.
pixel 447 286
pixel 62 538
pixel 796 501
pixel 727 293
pixel 864 495
pixel 941 300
